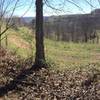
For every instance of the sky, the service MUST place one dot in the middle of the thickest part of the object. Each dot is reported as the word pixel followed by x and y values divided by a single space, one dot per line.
pixel 27 7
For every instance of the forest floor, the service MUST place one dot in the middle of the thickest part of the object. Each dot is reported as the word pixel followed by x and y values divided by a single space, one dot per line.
pixel 18 81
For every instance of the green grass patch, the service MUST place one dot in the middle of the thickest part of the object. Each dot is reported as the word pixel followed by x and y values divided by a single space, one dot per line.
pixel 60 55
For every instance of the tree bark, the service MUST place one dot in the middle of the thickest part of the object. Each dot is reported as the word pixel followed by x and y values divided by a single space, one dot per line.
pixel 40 54
pixel 0 40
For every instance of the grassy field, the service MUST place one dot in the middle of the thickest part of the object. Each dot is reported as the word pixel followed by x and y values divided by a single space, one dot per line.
pixel 60 55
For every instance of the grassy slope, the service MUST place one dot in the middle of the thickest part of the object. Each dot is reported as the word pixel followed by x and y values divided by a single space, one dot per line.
pixel 60 54
pixel 20 41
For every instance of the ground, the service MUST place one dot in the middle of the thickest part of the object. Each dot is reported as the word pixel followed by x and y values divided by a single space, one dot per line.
pixel 73 72
pixel 18 81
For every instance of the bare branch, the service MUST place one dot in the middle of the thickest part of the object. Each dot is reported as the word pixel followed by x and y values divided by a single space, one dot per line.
pixel 31 3
pixel 2 38
pixel 9 19
pixel 48 4
pixel 99 2
pixel 7 10
pixel 72 2
pixel 89 3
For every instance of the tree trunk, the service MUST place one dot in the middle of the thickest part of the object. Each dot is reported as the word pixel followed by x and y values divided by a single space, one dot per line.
pixel 40 55
pixel 86 39
pixel 6 41
pixel 0 40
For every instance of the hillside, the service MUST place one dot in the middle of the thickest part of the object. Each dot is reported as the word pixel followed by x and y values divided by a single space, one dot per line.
pixel 20 41
pixel 73 69
pixel 61 54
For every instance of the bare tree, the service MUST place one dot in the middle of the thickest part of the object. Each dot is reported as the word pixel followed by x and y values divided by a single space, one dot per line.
pixel 7 10
pixel 40 55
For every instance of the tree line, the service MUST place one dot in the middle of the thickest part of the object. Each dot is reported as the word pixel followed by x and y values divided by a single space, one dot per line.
pixel 75 28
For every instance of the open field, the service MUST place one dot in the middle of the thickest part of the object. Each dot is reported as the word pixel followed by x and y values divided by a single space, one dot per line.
pixel 59 54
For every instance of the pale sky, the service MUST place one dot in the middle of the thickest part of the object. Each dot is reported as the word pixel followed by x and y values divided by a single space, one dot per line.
pixel 67 7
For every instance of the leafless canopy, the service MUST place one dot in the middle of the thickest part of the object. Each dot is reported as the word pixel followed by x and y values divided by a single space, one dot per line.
pixel 60 6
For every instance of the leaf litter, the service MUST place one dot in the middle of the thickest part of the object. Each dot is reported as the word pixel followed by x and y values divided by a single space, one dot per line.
pixel 46 84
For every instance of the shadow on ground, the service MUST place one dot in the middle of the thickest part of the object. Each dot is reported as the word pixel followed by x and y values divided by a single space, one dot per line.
pixel 16 81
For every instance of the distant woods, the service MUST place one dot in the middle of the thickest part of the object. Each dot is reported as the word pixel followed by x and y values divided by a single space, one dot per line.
pixel 75 28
